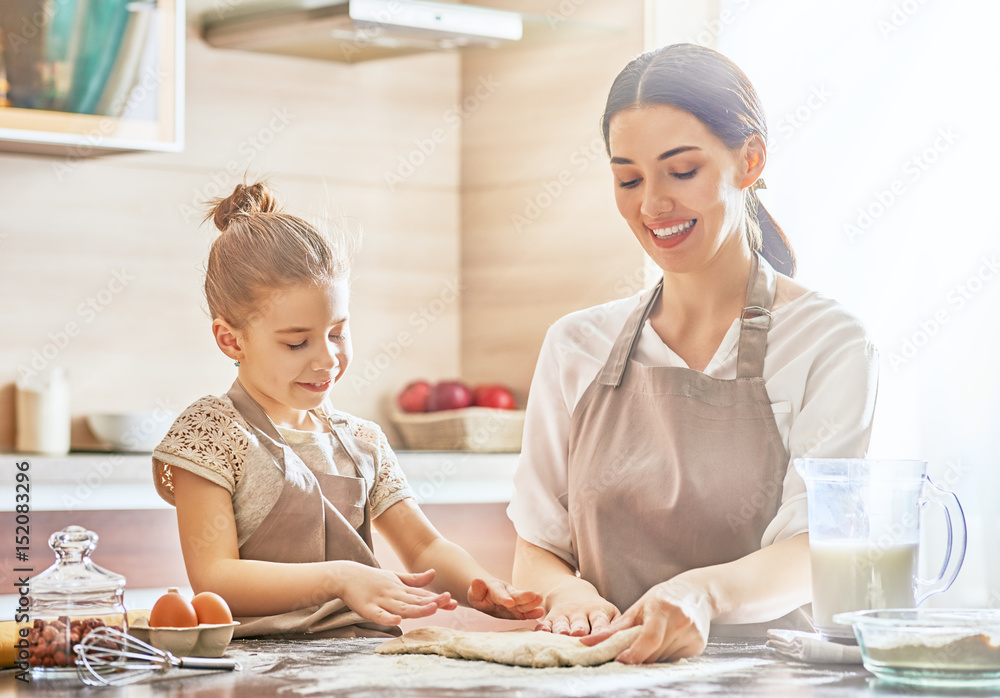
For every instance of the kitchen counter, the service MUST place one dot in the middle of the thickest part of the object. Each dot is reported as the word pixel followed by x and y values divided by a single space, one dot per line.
pixel 110 481
pixel 349 667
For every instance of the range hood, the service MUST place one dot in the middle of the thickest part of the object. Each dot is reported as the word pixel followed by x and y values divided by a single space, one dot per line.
pixel 361 30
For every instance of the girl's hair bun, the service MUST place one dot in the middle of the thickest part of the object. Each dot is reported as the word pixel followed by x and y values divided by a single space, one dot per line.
pixel 244 201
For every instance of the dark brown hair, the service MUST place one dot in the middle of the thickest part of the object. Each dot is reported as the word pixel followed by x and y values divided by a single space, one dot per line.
pixel 262 249
pixel 712 88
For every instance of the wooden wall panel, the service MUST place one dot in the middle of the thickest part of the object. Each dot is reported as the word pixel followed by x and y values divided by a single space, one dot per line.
pixel 328 135
pixel 541 236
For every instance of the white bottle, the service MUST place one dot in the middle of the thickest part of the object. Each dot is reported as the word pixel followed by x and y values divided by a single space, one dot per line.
pixel 43 414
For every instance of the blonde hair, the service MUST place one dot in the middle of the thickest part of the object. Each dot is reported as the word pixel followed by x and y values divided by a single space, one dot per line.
pixel 261 249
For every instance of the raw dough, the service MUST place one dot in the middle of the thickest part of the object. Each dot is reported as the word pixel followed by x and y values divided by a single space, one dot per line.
pixel 516 647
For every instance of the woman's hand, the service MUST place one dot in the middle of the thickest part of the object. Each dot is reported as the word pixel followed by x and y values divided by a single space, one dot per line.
pixel 502 600
pixel 675 617
pixel 386 597
pixel 575 608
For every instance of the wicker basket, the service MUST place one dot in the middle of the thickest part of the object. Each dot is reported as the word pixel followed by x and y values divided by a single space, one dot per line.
pixel 476 429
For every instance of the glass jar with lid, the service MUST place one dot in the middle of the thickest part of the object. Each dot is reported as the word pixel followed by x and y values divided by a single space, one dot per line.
pixel 69 599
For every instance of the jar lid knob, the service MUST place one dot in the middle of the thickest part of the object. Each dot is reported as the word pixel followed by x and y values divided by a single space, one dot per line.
pixel 73 542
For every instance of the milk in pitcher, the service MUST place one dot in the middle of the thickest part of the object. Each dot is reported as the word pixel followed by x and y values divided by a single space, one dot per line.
pixel 855 575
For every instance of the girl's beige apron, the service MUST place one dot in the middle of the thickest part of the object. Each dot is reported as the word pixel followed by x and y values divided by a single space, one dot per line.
pixel 670 469
pixel 317 517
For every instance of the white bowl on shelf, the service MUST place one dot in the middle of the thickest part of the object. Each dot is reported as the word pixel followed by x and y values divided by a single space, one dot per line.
pixel 131 431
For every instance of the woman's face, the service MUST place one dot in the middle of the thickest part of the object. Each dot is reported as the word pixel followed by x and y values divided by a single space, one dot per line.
pixel 678 186
pixel 296 348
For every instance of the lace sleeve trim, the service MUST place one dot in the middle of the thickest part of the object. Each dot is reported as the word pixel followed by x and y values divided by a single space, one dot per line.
pixel 212 437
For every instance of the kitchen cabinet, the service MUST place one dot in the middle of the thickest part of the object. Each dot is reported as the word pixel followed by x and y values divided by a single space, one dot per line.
pixel 81 79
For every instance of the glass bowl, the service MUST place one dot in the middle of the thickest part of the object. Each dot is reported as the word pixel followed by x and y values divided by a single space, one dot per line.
pixel 929 646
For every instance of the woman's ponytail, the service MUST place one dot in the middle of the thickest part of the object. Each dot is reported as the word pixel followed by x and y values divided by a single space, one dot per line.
pixel 766 236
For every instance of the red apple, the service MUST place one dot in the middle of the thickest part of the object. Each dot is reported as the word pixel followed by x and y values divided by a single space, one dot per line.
pixel 449 395
pixel 414 396
pixel 496 396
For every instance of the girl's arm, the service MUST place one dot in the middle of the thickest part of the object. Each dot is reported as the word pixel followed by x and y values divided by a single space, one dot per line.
pixel 572 604
pixel 419 546
pixel 207 528
pixel 676 614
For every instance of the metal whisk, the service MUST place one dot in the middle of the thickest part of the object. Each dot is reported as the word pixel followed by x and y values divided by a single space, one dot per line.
pixel 109 657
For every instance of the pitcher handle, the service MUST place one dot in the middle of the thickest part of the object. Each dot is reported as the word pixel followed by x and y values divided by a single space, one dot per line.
pixel 955 553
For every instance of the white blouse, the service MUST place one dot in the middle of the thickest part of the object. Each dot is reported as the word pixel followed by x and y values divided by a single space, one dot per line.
pixel 820 371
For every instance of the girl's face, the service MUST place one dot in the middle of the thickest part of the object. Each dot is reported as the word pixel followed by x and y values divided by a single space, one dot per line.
pixel 296 349
pixel 678 186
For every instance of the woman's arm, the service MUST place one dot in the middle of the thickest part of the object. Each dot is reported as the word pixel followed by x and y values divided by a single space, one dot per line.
pixel 572 604
pixel 762 586
pixel 208 536
pixel 676 614
pixel 419 545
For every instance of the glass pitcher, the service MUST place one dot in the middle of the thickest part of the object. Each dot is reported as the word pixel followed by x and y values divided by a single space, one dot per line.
pixel 864 534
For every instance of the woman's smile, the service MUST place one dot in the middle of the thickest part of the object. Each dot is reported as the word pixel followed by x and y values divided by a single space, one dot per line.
pixel 669 234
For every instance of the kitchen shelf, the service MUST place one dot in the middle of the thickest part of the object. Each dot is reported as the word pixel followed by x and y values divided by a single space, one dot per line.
pixel 75 135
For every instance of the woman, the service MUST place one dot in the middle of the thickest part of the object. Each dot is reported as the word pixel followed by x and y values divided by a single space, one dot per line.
pixel 661 428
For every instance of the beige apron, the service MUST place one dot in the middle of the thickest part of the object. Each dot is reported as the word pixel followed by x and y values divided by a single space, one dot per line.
pixel 670 469
pixel 317 517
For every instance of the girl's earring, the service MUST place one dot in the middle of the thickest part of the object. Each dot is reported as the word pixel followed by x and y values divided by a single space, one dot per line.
pixel 236 364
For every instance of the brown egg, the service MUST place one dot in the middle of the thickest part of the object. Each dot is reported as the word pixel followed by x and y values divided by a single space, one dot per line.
pixel 211 608
pixel 172 611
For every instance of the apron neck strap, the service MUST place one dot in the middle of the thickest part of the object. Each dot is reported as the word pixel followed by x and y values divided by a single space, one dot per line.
pixel 614 367
pixel 755 320
pixel 273 441
pixel 253 412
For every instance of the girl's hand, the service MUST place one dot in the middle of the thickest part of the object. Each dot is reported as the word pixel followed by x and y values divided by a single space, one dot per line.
pixel 575 608
pixel 386 597
pixel 502 600
pixel 675 616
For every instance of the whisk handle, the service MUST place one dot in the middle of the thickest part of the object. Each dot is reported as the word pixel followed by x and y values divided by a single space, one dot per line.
pixel 206 663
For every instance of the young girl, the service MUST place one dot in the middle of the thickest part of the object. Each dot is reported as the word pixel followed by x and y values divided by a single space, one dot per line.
pixel 276 491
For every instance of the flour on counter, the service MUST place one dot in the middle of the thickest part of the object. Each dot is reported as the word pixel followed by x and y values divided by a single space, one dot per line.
pixel 344 664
